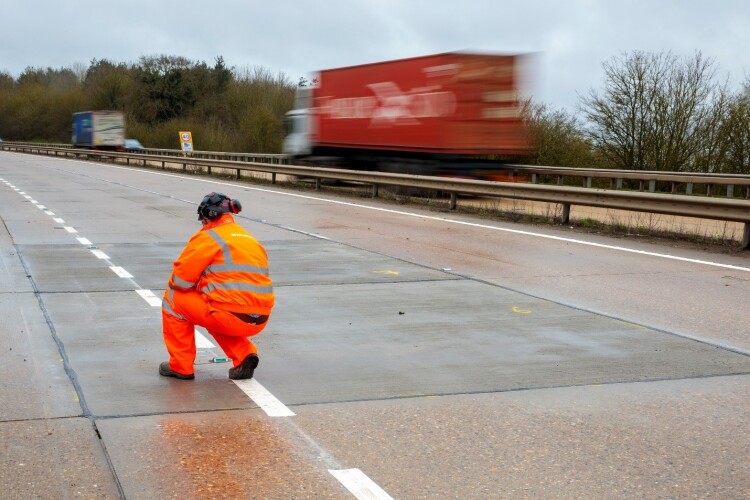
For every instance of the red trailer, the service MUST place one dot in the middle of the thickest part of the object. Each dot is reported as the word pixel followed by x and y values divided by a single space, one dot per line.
pixel 453 105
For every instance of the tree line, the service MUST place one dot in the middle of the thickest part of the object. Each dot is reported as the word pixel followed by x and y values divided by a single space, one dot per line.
pixel 226 109
pixel 653 111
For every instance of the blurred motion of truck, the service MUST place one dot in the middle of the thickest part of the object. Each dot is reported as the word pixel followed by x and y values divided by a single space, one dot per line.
pixel 133 146
pixel 441 114
pixel 104 130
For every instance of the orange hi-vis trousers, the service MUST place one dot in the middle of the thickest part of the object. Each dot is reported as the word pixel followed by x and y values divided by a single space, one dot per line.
pixel 182 310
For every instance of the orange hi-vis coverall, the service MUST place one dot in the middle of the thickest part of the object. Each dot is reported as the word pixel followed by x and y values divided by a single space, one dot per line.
pixel 220 281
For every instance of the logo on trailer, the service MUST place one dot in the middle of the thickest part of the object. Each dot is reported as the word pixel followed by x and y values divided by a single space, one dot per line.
pixel 390 106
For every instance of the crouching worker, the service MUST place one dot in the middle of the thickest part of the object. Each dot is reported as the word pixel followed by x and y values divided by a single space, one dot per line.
pixel 220 281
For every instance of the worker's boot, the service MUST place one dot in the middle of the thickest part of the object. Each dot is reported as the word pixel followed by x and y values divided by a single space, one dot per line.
pixel 245 369
pixel 166 371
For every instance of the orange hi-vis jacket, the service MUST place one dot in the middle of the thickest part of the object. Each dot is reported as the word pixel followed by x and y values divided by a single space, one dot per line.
pixel 227 266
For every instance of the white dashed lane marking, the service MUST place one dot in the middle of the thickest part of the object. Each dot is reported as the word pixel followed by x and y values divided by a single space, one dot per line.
pixel 122 273
pixel 99 254
pixel 202 342
pixel 149 297
pixel 267 401
pixel 354 480
pixel 360 485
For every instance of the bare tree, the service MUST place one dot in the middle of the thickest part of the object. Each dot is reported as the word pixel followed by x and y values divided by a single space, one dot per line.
pixel 556 138
pixel 736 134
pixel 653 111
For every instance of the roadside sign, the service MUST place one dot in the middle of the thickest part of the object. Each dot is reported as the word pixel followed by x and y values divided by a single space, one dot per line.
pixel 186 141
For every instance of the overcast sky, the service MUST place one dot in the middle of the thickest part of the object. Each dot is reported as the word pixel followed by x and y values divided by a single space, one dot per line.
pixel 571 38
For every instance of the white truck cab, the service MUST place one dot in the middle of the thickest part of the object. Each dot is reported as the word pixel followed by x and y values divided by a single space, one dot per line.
pixel 297 142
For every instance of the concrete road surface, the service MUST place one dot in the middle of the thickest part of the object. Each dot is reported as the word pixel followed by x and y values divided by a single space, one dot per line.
pixel 411 354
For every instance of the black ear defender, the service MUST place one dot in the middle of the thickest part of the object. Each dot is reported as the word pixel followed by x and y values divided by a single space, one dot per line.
pixel 216 204
pixel 235 206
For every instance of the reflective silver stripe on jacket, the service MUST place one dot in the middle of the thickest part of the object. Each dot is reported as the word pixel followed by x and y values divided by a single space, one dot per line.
pixel 181 282
pixel 229 265
pixel 234 285
pixel 244 268
pixel 168 308
pixel 223 244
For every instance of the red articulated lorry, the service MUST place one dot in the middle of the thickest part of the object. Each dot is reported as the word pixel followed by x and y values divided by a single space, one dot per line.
pixel 433 115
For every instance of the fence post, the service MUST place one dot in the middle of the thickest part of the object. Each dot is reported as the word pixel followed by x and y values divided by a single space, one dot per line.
pixel 273 178
pixel 746 237
pixel 317 184
pixel 565 213
pixel 375 190
pixel 453 200
pixel 652 185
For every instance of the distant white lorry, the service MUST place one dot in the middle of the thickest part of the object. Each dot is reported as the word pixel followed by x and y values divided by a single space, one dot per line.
pixel 99 130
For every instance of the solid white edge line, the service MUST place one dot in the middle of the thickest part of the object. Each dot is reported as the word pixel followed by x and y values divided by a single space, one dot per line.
pixel 260 395
pixel 454 221
pixel 82 241
pixel 359 485
pixel 149 297
pixel 517 231
pixel 122 273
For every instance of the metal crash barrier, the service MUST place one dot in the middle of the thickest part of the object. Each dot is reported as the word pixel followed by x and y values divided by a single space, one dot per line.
pixel 684 204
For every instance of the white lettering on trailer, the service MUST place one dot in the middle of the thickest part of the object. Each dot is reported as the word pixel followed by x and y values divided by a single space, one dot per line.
pixel 390 106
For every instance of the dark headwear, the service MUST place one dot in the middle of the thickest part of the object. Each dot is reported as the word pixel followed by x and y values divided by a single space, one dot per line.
pixel 214 205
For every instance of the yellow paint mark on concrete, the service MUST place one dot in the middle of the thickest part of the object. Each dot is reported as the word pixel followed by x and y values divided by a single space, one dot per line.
pixel 385 271
pixel 521 311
